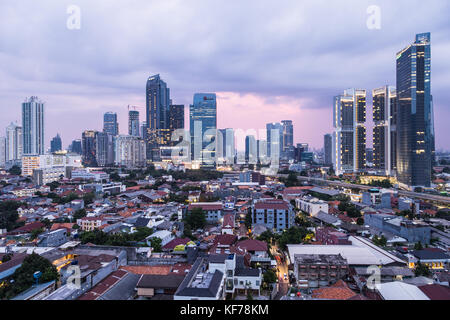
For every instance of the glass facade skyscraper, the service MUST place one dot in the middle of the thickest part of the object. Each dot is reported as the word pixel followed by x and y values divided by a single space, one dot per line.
pixel 110 124
pixel 274 140
pixel 89 148
pixel 33 127
pixel 133 123
pixel 288 139
pixel 415 129
pixel 349 137
pixel 56 144
pixel 203 128
pixel 157 112
pixel 385 129
pixel 328 149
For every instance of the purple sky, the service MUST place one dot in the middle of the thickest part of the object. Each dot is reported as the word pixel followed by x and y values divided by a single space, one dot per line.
pixel 266 60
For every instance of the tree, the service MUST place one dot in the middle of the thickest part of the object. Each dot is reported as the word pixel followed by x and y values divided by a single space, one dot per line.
pixel 360 221
pixel 380 241
pixel 23 276
pixel 8 215
pixel 79 214
pixel 293 235
pixel 156 244
pixel 196 218
pixel 15 170
pixel 418 246
pixel 89 198
pixel 269 276
pixel 422 270
pixel 249 296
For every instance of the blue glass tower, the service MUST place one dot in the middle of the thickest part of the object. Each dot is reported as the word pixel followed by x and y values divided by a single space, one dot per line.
pixel 203 126
pixel 415 131
pixel 157 112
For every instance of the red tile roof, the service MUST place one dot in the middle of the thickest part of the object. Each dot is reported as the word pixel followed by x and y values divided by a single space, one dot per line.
pixel 272 204
pixel 252 245
pixel 338 291
pixel 228 221
pixel 436 291
pixel 175 242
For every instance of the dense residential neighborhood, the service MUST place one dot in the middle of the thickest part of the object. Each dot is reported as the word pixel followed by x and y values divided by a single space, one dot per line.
pixel 209 235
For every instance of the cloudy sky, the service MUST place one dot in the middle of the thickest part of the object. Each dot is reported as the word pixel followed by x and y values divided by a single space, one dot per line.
pixel 267 60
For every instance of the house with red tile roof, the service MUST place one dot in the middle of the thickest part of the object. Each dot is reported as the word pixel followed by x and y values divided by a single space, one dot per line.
pixel 338 291
pixel 228 224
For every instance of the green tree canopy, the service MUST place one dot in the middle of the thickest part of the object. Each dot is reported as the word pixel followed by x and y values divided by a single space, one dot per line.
pixel 196 218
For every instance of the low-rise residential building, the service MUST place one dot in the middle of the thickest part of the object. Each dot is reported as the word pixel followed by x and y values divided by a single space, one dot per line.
pixel 311 205
pixel 412 231
pixel 328 235
pixel 90 223
pixel 274 214
pixel 316 270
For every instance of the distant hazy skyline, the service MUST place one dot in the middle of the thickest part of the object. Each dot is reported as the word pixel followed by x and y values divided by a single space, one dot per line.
pixel 267 61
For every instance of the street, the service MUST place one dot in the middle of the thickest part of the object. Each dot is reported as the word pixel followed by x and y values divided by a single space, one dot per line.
pixel 282 268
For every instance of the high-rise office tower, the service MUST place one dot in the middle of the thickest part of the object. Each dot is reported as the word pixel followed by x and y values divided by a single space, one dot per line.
pixel 176 116
pixel 56 144
pixel 2 151
pixel 385 130
pixel 89 148
pixel 157 112
pixel 261 146
pixel 203 128
pixel 33 127
pixel 251 150
pixel 274 140
pixel 176 120
pixel 144 130
pixel 133 123
pixel 415 129
pixel 288 139
pixel 328 149
pixel 75 147
pixel 104 153
pixel 226 150
pixel 110 124
pixel 14 140
pixel 349 137
pixel 130 151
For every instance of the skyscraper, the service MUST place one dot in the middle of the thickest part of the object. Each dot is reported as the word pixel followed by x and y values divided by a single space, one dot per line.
pixel 157 112
pixel 89 148
pixel 130 151
pixel 176 120
pixel 13 147
pixel 75 147
pixel 226 150
pixel 33 127
pixel 104 152
pixel 328 149
pixel 110 124
pixel 415 130
pixel 349 137
pixel 133 123
pixel 274 139
pixel 56 144
pixel 251 150
pixel 288 139
pixel 203 127
pixel 384 131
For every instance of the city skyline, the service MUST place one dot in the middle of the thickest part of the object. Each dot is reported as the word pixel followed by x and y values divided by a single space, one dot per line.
pixel 254 92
